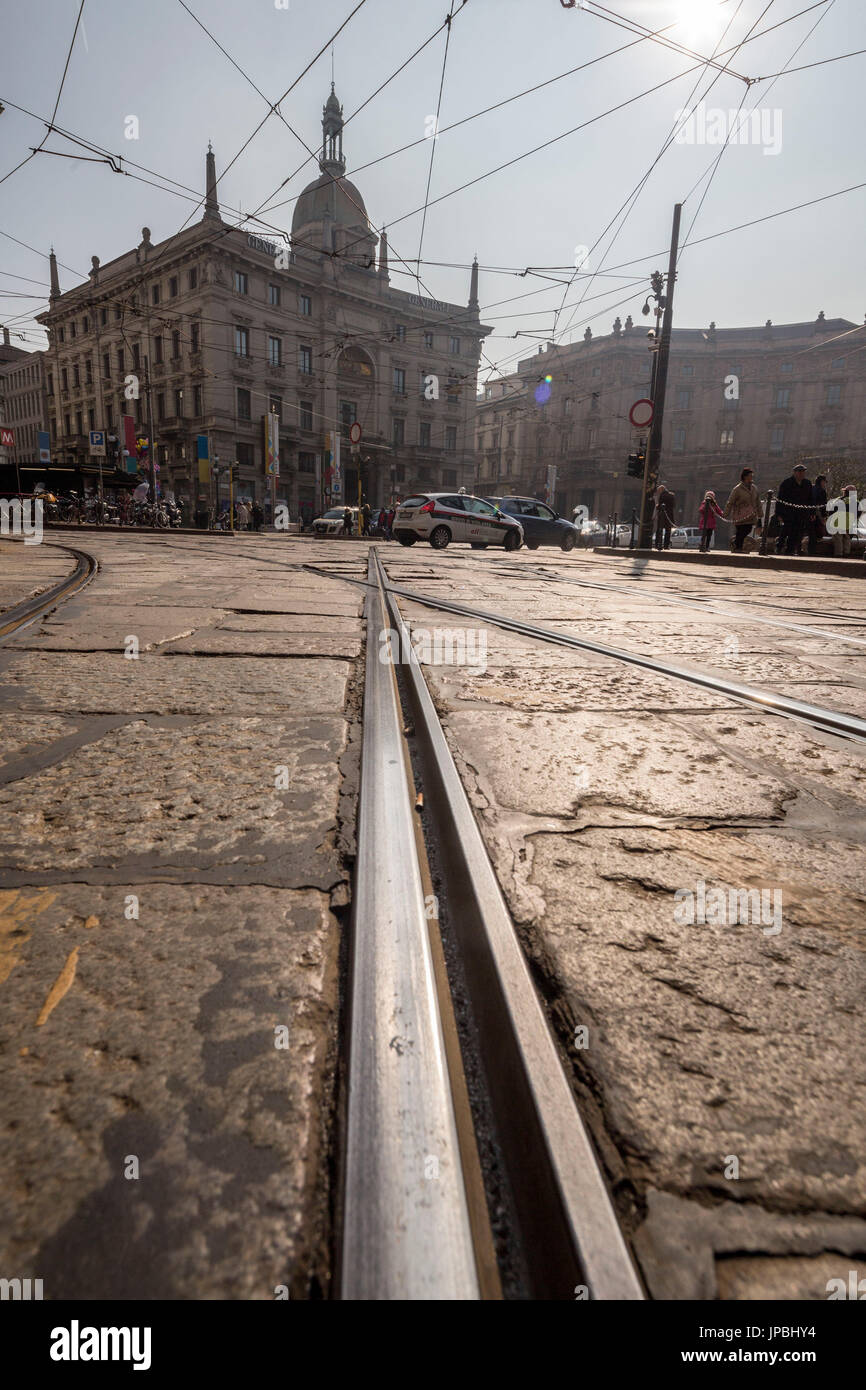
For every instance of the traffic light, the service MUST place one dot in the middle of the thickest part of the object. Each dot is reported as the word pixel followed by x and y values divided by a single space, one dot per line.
pixel 236 472
pixel 636 463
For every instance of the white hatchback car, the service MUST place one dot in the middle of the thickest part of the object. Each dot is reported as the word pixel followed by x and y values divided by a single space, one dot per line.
pixel 442 517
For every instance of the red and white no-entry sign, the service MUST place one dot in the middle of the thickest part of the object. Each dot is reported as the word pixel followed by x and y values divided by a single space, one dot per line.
pixel 355 433
pixel 641 414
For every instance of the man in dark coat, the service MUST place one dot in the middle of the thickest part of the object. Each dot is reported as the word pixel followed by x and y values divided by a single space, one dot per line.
pixel 794 499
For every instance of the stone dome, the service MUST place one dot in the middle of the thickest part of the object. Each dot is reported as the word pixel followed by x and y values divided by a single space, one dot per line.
pixel 336 198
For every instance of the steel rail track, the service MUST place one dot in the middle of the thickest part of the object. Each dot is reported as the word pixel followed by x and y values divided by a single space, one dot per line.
pixel 568 1232
pixel 406 1231
pixel 700 605
pixel 829 721
pixel 23 614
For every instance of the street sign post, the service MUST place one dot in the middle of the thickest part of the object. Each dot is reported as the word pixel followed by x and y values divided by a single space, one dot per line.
pixel 355 433
pixel 97 449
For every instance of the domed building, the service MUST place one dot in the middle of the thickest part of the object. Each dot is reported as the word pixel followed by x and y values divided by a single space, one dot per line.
pixel 238 328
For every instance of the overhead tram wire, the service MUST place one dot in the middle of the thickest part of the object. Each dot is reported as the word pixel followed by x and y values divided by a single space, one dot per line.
pixel 435 132
pixel 631 201
pixel 59 94
pixel 761 96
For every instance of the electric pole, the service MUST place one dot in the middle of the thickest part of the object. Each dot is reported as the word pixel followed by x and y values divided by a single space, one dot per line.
pixel 660 379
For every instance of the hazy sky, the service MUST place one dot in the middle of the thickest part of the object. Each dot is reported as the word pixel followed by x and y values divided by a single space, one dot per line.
pixel 152 61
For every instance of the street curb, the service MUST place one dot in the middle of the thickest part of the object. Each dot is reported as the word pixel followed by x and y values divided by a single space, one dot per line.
pixel 852 569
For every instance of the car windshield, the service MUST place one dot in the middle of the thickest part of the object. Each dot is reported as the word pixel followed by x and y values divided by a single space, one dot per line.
pixel 413 501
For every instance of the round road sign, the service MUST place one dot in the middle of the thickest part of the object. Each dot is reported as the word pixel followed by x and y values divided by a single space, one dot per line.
pixel 641 414
pixel 355 433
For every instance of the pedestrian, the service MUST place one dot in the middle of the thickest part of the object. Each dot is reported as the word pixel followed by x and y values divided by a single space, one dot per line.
pixel 242 516
pixel 743 508
pixel 347 522
pixel 382 522
pixel 817 521
pixel 366 514
pixel 708 514
pixel 258 515
pixel 663 516
pixel 795 497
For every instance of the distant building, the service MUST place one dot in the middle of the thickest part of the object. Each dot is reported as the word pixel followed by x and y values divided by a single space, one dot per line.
pixel 763 397
pixel 231 327
pixel 23 407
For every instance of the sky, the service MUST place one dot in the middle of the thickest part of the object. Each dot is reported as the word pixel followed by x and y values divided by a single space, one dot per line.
pixel 154 63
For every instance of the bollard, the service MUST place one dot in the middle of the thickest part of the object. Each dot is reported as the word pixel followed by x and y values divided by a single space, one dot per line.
pixel 633 524
pixel 763 546
pixel 615 530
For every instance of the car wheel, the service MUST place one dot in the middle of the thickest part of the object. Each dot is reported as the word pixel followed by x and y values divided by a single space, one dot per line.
pixel 478 545
pixel 512 541
pixel 439 537
pixel 406 540
pixel 532 545
pixel 567 541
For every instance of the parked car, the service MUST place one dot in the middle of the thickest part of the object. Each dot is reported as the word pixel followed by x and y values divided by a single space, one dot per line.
pixel 541 525
pixel 331 522
pixel 442 517
pixel 692 537
pixel 679 538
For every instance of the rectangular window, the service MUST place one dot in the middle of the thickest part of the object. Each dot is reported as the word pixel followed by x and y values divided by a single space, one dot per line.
pixel 244 453
pixel 192 277
pixel 175 343
pixel 838 362
pixel 91 419
pixel 687 369
pixel 306 305
pixel 596 371
pixel 306 463
pixel 305 413
pixel 777 439
pixel 834 394
pixel 451 438
pixel 348 415
pixel 62 332
pixel 424 434
pixel 88 372
pixel 157 349
pixel 106 364
pixel 274 296
pixel 120 361
pixel 76 375
pixel 242 342
pixel 67 430
pixel 275 352
pixel 103 317
pixel 684 397
pixel 85 324
pixel 449 477
pixel 400 381
pixel 194 342
pixel 117 314
pixel 241 283
pixel 727 439
pixel 453 391
pixel 454 346
pixel 160 405
pixel 400 333
pixel 428 340
pixel 178 402
pixel 64 378
pixel 679 441
pixel 828 434
pixel 136 356
pixel 783 397
pixel 305 361
pixel 398 430
pixel 72 335
pixel 196 402
pixel 275 406
pixel 786 367
pixel 244 404
pixel 172 287
pixel 154 294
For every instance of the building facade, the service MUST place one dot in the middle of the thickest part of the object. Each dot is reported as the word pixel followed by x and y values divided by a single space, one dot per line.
pixel 24 409
pixel 216 329
pixel 765 398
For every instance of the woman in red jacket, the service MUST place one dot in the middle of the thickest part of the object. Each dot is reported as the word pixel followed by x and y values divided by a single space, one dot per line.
pixel 708 514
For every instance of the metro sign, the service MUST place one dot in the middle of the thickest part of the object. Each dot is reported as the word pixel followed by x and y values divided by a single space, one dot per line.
pixel 7 439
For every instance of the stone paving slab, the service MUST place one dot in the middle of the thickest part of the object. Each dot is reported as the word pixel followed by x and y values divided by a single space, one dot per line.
pixel 28 570
pixel 159 1060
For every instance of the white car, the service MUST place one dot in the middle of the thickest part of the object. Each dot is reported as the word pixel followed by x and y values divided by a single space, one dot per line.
pixel 442 517
pixel 331 522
